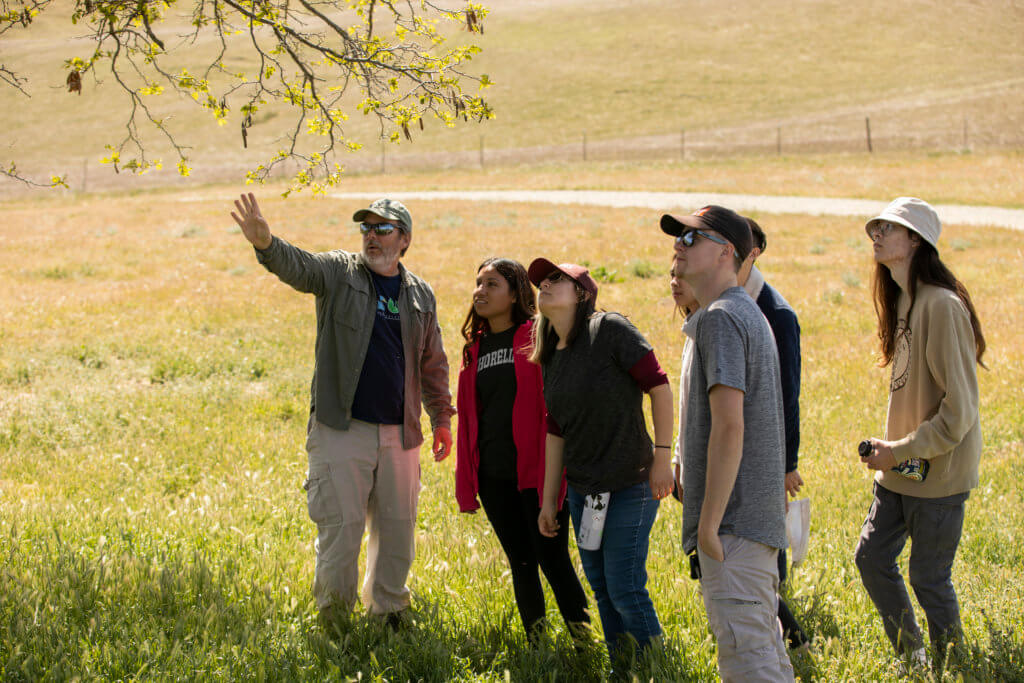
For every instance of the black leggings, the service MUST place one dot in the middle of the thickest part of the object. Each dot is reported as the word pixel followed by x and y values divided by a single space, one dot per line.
pixel 513 514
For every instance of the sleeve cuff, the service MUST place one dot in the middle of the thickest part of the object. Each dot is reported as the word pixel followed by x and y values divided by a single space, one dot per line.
pixel 902 450
pixel 263 255
pixel 553 427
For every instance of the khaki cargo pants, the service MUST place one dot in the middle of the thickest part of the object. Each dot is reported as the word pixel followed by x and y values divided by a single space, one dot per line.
pixel 741 600
pixel 360 478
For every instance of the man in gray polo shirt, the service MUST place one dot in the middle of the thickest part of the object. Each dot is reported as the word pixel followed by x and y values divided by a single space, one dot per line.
pixel 378 355
pixel 733 482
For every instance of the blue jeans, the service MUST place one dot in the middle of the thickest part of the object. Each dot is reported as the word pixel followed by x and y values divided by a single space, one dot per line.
pixel 617 572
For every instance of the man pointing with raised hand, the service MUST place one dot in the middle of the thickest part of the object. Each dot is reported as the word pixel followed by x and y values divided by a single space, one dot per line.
pixel 378 355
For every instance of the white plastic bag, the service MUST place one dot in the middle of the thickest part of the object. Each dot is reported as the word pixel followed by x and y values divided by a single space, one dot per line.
pixel 798 528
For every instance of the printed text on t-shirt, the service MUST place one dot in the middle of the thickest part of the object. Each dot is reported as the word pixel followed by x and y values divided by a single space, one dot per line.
pixel 499 357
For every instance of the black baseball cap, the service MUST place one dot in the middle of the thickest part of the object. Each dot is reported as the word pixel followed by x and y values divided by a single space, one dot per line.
pixel 725 222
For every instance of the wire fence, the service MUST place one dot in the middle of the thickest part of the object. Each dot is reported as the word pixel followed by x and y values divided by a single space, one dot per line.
pixel 999 128
pixel 851 134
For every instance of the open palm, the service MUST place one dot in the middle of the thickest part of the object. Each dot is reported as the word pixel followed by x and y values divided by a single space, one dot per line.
pixel 251 221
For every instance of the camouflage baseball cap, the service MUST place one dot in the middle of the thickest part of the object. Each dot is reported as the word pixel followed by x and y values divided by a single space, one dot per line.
pixel 391 209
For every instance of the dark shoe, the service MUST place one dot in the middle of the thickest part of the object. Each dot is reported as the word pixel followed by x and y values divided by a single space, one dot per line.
pixel 397 621
pixel 536 632
pixel 582 635
pixel 334 621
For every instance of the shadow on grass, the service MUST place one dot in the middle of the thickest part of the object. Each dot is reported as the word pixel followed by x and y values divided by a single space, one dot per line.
pixel 813 613
pixel 1001 659
pixel 431 646
pixel 71 611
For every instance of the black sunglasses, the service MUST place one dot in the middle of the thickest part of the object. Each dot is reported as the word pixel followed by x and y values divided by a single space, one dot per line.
pixel 381 229
pixel 690 236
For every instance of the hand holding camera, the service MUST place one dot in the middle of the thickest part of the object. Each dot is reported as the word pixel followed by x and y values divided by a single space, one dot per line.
pixel 915 469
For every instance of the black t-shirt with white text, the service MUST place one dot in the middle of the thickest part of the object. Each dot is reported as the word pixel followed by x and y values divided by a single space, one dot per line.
pixel 496 393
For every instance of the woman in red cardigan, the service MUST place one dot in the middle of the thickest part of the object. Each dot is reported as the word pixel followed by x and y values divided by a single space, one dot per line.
pixel 500 445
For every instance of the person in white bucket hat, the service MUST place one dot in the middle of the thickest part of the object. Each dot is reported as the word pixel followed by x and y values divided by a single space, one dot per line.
pixel 913 214
pixel 931 337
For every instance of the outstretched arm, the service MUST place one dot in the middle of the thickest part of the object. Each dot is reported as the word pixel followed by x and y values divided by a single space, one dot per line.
pixel 305 271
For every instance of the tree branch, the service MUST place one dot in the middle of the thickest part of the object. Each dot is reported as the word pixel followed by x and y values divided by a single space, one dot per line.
pixel 400 76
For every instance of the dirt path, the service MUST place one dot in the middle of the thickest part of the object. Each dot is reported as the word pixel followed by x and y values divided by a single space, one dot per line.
pixel 687 201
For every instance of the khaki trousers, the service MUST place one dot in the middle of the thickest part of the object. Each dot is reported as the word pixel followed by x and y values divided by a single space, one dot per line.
pixel 741 600
pixel 360 478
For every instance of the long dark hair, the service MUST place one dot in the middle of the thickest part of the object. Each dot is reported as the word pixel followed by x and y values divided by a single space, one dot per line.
pixel 927 268
pixel 545 339
pixel 524 307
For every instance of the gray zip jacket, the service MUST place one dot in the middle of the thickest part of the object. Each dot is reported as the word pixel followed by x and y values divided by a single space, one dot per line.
pixel 346 305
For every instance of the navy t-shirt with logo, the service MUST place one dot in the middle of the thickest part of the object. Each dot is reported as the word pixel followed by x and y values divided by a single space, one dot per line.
pixel 496 393
pixel 380 394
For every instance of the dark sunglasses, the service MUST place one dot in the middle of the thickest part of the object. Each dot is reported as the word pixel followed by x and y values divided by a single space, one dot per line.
pixel 381 229
pixel 556 276
pixel 880 229
pixel 690 236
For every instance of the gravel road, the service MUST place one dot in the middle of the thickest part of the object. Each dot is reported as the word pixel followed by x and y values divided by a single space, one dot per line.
pixel 688 201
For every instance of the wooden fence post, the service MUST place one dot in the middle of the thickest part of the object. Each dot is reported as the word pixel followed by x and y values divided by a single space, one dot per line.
pixel 867 127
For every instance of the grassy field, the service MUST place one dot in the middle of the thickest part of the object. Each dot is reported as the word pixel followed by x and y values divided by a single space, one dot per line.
pixel 611 71
pixel 153 397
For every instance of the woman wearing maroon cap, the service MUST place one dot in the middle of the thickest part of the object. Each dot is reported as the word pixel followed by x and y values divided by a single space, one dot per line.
pixel 500 444
pixel 596 369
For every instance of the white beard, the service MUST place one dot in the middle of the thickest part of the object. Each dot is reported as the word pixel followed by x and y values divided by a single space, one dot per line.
pixel 382 259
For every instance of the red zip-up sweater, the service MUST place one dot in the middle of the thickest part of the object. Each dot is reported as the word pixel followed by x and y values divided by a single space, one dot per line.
pixel 529 424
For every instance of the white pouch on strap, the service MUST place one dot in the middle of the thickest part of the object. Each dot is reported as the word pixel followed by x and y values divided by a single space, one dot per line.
pixel 595 509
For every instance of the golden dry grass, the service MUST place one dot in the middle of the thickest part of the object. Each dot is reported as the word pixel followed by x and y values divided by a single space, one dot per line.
pixel 154 388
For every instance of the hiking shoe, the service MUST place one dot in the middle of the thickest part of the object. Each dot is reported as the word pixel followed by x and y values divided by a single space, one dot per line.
pixel 913 664
pixel 396 621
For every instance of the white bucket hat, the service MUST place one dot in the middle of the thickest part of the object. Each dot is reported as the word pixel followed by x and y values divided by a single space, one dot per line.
pixel 913 214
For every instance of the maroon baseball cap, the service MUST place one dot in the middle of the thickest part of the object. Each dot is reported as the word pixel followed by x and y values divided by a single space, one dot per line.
pixel 540 268
pixel 725 222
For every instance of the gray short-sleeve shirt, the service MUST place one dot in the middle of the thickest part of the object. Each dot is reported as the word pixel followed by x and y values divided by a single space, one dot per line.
pixel 734 347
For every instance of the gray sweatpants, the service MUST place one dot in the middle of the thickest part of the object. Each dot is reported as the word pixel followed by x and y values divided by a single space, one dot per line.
pixel 934 526
pixel 357 478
